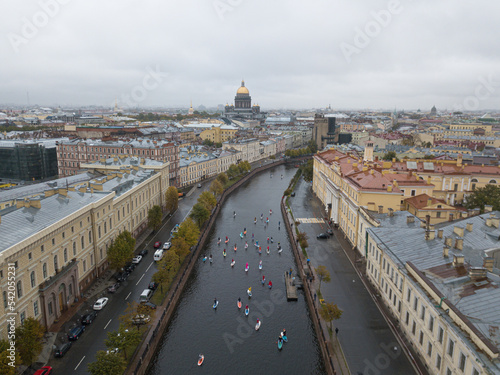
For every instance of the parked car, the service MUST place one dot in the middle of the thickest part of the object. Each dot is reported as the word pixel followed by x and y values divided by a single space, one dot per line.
pixel 62 350
pixel 151 305
pixel 141 319
pixel 167 245
pixel 293 194
pixel 75 333
pixel 89 318
pixel 153 285
pixel 175 229
pixel 100 303
pixel 329 231
pixel 113 288
pixel 137 259
pixel 121 276
pixel 143 252
pixel 129 267
pixel 45 370
pixel 323 236
pixel 157 245
pixel 199 185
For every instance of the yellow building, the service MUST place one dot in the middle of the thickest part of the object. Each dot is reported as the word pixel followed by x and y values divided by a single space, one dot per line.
pixel 57 242
pixel 219 134
pixel 424 206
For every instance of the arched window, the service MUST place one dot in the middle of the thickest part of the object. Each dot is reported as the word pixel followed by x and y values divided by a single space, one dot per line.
pixel 32 279
pixel 473 181
pixel 492 182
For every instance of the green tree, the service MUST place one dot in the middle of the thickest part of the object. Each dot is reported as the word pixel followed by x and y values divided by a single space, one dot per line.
pixel 216 187
pixel 121 250
pixel 330 312
pixel 107 364
pixel 154 217
pixel 389 155
pixel 122 339
pixel 312 147
pixel 189 231
pixel 233 171
pixel 29 337
pixel 431 156
pixel 8 365
pixel 307 170
pixel 129 319
pixel 181 248
pixel 208 200
pixel 323 275
pixel 488 195
pixel 222 178
pixel 199 214
pixel 161 277
pixel 208 142
pixel 218 145
pixel 171 199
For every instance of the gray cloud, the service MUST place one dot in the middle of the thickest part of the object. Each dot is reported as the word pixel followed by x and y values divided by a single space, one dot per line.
pixel 289 52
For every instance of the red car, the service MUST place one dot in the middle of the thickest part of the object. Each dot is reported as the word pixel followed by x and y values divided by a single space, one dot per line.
pixel 157 245
pixel 45 370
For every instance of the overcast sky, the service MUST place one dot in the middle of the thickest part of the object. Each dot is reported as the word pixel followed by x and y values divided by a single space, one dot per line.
pixel 292 54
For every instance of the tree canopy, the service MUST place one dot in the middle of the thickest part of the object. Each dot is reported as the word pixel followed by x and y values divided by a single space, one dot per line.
pixel 29 337
pixel 199 214
pixel 8 365
pixel 208 200
pixel 389 156
pixel 488 195
pixel 121 250
pixel 323 275
pixel 216 187
pixel 171 199
pixel 330 312
pixel 154 217
pixel 222 177
pixel 189 231
pixel 107 364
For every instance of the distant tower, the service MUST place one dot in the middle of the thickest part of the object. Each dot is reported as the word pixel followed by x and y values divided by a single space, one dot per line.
pixel 116 105
pixel 368 156
pixel 191 110
pixel 433 111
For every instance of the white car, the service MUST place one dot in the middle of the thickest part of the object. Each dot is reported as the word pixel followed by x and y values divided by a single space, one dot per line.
pixel 167 245
pixel 100 303
pixel 137 259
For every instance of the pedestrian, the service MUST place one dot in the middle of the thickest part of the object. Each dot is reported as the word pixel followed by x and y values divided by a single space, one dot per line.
pixel 314 297
pixel 336 331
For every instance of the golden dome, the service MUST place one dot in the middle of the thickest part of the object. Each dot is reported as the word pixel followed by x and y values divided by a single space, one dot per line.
pixel 243 89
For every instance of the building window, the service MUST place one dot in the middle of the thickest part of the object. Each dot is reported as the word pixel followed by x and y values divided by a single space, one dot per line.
pixel 451 347
pixel 65 255
pixel 408 296
pixel 90 237
pixel 84 266
pixel 44 268
pixel 32 279
pixel 422 313
pixel 83 242
pixel 421 339
pixel 438 361
pixel 461 364
pixel 23 316
pixel 448 372
pixel 413 193
pixel 50 308
pixel 414 328
pixel 19 289
pixel 35 308
pixel 415 304
pixel 440 335
pixel 431 323
pixel 41 249
pixel 5 304
pixel 99 232
pixel 91 259
pixel 30 256
pixel 429 349
pixel 74 248
pixel 475 372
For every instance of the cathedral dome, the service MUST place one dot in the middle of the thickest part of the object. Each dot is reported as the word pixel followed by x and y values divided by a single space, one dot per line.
pixel 243 89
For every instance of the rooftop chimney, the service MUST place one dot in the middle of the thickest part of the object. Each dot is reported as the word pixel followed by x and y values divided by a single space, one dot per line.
pixel 380 209
pixel 390 211
pixel 430 234
pixel 446 251
pixel 459 243
pixel 488 208
pixel 448 241
pixel 410 219
pixel 459 231
pixel 478 273
pixel 488 263
pixel 458 260
pixel 469 227
pixel 440 233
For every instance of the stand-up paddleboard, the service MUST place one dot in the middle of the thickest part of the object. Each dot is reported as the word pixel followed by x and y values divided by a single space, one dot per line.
pixel 232 263
pixel 257 326
pixel 201 359
pixel 260 265
pixel 216 303
pixel 239 304
pixel 246 268
pixel 247 311
pixel 204 259
pixel 224 252
pixel 249 292
pixel 280 344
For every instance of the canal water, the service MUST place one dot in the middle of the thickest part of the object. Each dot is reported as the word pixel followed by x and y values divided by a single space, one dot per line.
pixel 226 337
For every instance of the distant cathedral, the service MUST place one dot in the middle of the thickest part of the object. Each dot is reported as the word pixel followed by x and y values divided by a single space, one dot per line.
pixel 242 108
pixel 433 111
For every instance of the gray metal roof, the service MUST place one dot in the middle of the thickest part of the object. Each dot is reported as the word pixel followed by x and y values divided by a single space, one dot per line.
pixel 22 223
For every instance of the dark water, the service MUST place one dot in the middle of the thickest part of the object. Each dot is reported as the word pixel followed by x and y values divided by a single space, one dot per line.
pixel 226 336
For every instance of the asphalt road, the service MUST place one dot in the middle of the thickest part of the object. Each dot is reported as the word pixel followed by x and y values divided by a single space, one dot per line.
pixel 83 351
pixel 367 341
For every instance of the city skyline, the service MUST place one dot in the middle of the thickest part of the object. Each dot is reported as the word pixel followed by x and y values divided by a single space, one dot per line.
pixel 377 54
